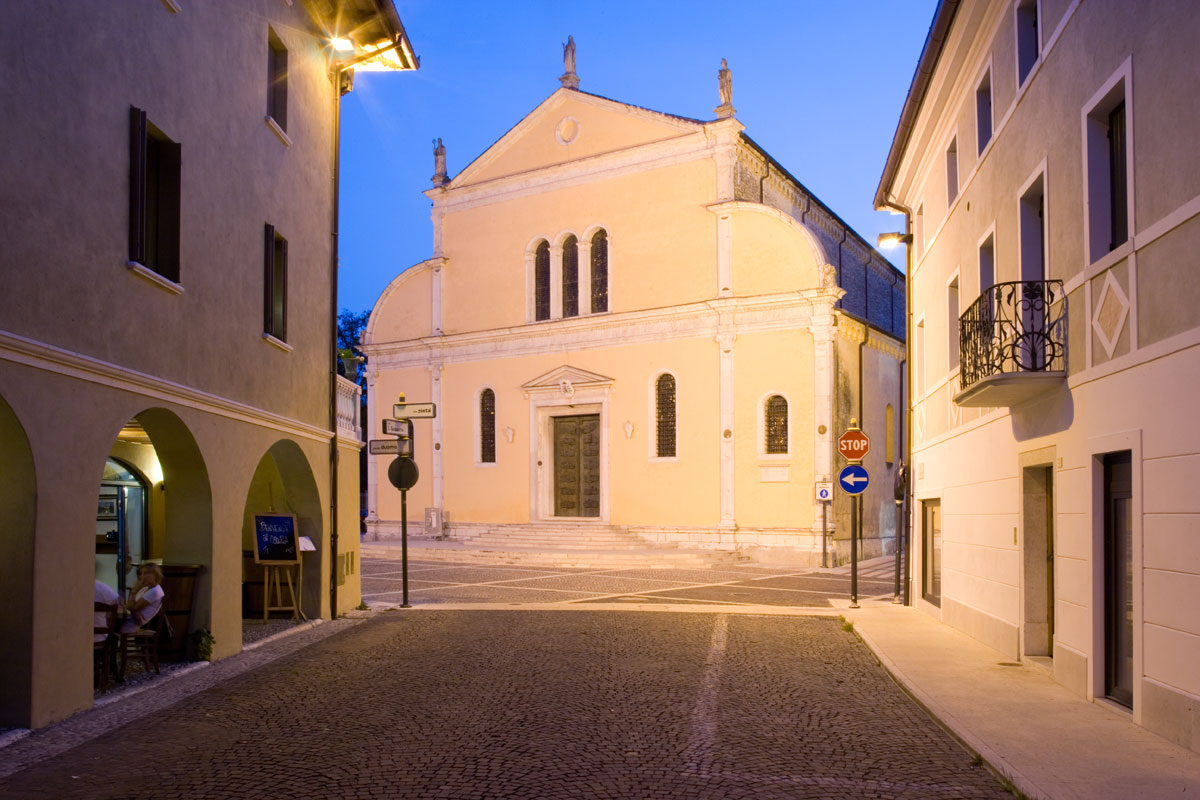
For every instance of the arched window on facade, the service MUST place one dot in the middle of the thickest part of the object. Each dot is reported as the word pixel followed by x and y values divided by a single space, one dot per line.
pixel 570 277
pixel 599 271
pixel 889 432
pixel 487 427
pixel 776 424
pixel 664 415
pixel 541 281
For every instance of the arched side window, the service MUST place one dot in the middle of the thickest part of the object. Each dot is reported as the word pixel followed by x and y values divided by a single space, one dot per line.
pixel 664 416
pixel 541 281
pixel 570 277
pixel 889 432
pixel 487 427
pixel 599 271
pixel 776 425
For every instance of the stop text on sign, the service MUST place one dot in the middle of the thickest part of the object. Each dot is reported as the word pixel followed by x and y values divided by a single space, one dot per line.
pixel 854 445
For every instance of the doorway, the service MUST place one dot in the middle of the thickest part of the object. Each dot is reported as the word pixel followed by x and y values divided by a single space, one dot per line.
pixel 1037 522
pixel 577 466
pixel 1118 577
pixel 931 551
pixel 121 524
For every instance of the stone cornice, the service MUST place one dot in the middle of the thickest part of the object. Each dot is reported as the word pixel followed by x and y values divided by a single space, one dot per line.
pixel 786 311
pixel 856 331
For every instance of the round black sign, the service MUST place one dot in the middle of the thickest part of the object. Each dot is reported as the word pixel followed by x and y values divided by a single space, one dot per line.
pixel 403 473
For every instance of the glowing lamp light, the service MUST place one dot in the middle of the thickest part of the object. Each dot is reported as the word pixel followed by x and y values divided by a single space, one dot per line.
pixel 343 45
pixel 889 241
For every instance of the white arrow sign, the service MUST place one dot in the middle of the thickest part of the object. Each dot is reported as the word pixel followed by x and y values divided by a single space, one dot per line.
pixel 854 480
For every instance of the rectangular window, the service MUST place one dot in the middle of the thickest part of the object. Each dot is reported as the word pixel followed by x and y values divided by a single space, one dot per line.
pixel 983 111
pixel 275 284
pixel 987 264
pixel 154 186
pixel 931 551
pixel 1118 577
pixel 1106 145
pixel 919 230
pixel 952 334
pixel 919 366
pixel 1028 42
pixel 1032 219
pixel 951 172
pixel 277 69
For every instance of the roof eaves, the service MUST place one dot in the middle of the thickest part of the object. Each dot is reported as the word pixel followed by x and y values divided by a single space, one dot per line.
pixel 931 53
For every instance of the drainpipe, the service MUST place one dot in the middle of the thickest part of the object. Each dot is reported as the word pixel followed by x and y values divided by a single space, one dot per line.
pixel 339 79
pixel 908 459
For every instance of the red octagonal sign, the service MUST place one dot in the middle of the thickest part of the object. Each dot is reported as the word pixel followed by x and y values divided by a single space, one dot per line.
pixel 854 445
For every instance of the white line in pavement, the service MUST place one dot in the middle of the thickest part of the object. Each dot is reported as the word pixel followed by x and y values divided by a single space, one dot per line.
pixel 697 758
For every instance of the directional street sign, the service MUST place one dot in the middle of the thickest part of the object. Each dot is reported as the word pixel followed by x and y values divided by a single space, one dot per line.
pixel 854 479
pixel 414 410
pixel 854 445
pixel 396 427
pixel 824 491
pixel 383 447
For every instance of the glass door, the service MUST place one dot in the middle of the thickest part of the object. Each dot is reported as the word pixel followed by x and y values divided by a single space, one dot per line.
pixel 931 551
pixel 1118 577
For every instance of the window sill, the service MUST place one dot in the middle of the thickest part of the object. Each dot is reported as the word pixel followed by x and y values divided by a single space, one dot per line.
pixel 487 464
pixel 775 459
pixel 664 459
pixel 278 131
pixel 160 281
pixel 282 345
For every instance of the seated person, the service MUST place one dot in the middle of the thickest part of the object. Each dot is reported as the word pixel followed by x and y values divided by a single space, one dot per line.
pixel 108 596
pixel 145 597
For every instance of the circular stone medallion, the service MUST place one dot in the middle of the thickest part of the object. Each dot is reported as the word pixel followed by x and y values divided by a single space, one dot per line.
pixel 567 130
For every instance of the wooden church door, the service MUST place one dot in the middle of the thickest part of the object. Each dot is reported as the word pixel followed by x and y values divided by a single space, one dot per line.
pixel 577 466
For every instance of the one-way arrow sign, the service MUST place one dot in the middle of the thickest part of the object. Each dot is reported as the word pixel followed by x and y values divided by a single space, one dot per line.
pixel 854 479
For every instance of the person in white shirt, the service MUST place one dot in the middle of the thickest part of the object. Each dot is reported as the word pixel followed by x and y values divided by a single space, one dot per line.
pixel 145 597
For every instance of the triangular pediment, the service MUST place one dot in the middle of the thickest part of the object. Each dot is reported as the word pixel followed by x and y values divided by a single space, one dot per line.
pixel 568 126
pixel 567 377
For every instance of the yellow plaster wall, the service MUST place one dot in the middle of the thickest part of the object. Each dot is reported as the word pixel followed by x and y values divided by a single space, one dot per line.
pixel 661 250
pixel 407 310
pixel 416 384
pixel 770 255
pixel 600 130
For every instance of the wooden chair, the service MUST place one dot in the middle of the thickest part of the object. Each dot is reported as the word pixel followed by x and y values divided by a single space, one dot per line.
pixel 144 641
pixel 102 650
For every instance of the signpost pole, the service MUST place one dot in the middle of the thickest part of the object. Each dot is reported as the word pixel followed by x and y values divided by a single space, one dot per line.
pixel 854 552
pixel 824 535
pixel 404 545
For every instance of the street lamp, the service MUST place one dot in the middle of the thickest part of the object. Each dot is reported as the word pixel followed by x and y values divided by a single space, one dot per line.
pixel 890 241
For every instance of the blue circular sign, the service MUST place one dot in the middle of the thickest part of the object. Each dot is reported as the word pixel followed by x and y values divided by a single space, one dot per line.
pixel 854 479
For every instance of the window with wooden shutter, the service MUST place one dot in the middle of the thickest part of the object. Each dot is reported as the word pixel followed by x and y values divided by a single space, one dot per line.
pixel 275 256
pixel 154 187
pixel 541 281
pixel 664 416
pixel 570 277
pixel 776 424
pixel 487 426
pixel 599 271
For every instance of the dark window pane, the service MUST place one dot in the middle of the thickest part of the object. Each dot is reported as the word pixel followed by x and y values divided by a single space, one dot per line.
pixel 570 277
pixel 665 415
pixel 599 272
pixel 777 424
pixel 487 426
pixel 276 79
pixel 1116 164
pixel 541 282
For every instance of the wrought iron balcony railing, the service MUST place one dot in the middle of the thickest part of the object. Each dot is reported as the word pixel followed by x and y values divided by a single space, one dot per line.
pixel 1012 331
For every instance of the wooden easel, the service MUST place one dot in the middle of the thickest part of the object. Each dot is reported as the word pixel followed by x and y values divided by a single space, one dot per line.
pixel 271 580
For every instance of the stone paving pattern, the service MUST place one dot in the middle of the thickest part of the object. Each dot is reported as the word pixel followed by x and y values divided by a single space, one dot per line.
pixel 524 704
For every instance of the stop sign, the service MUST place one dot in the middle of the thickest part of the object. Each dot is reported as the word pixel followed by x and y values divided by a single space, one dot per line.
pixel 854 445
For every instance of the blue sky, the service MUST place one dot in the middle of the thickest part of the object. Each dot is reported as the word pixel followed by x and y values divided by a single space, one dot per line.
pixel 819 85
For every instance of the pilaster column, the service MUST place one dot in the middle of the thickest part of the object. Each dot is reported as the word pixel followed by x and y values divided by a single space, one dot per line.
pixel 822 328
pixel 372 469
pixel 438 264
pixel 724 342
pixel 585 276
pixel 435 380
pixel 556 287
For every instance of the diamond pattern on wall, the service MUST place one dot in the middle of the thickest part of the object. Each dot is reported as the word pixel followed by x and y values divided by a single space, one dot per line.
pixel 1112 309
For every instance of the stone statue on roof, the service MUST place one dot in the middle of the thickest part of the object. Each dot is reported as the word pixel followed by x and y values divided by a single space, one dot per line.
pixel 725 86
pixel 439 164
pixel 569 79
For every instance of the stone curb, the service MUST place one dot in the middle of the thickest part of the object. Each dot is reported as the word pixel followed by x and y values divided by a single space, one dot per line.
pixel 948 722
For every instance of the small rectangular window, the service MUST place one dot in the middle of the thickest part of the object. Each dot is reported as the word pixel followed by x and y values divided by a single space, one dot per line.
pixel 919 231
pixel 987 264
pixel 275 284
pixel 277 71
pixel 951 172
pixel 983 111
pixel 154 187
pixel 1032 218
pixel 952 333
pixel 1106 146
pixel 1028 41
pixel 919 361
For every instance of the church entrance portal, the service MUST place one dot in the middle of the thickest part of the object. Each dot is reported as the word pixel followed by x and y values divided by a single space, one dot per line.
pixel 577 466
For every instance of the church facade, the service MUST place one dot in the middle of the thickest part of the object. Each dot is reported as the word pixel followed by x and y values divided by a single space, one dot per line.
pixel 637 320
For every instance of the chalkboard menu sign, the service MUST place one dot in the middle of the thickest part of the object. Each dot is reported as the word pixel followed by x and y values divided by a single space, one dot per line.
pixel 275 539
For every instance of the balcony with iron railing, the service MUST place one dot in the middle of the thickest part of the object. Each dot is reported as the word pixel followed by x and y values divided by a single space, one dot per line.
pixel 1013 342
